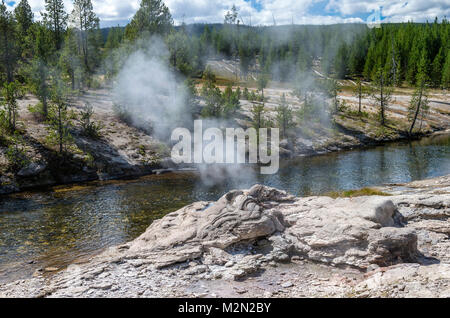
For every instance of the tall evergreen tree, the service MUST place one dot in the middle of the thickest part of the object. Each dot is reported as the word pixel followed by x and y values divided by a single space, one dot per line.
pixel 55 17
pixel 10 93
pixel 39 70
pixel 382 95
pixel 85 23
pixel 333 89
pixel 360 93
pixel 70 62
pixel 419 103
pixel 341 62
pixel 8 46
pixel 284 117
pixel 24 17
pixel 304 62
pixel 152 18
pixel 258 116
pixel 114 39
pixel 263 80
pixel 59 118
pixel 446 72
pixel 436 69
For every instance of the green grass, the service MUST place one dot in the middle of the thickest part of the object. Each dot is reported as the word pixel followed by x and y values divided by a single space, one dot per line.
pixel 356 193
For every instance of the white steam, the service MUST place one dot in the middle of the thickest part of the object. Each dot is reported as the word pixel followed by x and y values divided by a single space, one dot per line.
pixel 155 100
pixel 150 92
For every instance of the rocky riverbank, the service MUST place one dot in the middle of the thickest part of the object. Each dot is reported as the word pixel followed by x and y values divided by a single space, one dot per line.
pixel 123 151
pixel 120 150
pixel 263 242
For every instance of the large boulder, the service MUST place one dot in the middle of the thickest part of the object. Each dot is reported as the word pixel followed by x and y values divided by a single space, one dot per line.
pixel 188 233
pixel 356 232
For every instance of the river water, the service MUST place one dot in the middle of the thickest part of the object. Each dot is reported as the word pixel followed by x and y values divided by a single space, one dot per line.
pixel 63 224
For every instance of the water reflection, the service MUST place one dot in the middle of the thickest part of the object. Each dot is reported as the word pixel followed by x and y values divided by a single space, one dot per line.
pixel 56 227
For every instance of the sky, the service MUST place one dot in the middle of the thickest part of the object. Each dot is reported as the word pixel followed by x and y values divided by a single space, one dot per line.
pixel 268 12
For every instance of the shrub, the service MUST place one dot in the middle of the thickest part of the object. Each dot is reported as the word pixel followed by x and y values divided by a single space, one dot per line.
pixel 89 127
pixel 16 155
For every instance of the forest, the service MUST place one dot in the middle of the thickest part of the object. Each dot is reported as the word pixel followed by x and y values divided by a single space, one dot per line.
pixel 65 54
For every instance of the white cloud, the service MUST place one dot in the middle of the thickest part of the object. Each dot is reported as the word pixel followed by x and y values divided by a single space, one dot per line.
pixel 113 12
pixel 394 10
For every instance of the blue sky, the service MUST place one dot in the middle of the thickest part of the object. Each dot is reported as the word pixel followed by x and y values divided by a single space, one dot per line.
pixel 255 4
pixel 263 12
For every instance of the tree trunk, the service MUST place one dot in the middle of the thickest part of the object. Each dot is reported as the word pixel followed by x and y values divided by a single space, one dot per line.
pixel 14 120
pixel 419 102
pixel 44 106
pixel 60 132
pixel 382 100
pixel 10 117
pixel 360 97
pixel 72 78
pixel 7 59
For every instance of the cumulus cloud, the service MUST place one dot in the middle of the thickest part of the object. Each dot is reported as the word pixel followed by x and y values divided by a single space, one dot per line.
pixel 257 12
pixel 264 12
pixel 394 11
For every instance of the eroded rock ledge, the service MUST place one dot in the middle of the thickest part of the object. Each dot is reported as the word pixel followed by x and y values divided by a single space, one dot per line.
pixel 356 233
pixel 252 232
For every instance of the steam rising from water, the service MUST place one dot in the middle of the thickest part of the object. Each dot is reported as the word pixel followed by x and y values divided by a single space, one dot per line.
pixel 155 99
pixel 150 92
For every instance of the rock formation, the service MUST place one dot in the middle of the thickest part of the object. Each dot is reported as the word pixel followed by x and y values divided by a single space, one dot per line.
pixel 393 239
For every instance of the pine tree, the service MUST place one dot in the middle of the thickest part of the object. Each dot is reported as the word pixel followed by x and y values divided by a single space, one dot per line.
pixel 419 101
pixel 258 116
pixel 419 104
pixel 231 100
pixel 86 22
pixel 245 58
pixel 152 18
pixel 231 16
pixel 414 57
pixel 370 62
pixel 360 93
pixel 358 53
pixel 70 62
pixel 394 63
pixel 39 70
pixel 55 17
pixel 114 39
pixel 284 116
pixel 382 95
pixel 24 17
pixel 8 46
pixel 212 96
pixel 304 62
pixel 341 62
pixel 263 80
pixel 10 93
pixel 59 118
pixel 436 69
pixel 333 89
pixel 446 73
pixel 191 96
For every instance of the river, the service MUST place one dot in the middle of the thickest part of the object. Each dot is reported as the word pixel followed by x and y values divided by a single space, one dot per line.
pixel 55 227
